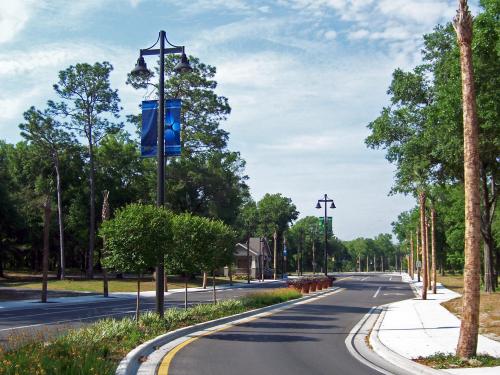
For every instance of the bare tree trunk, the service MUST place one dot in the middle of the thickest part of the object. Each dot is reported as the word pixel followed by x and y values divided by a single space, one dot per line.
pixel 185 292
pixel 374 263
pixel 105 217
pixel 90 261
pixel 138 298
pixel 314 258
pixel 275 264
pixel 423 232
pixel 165 280
pixel 467 342
pixel 248 264
pixel 367 261
pixel 382 262
pixel 204 280
pixel 214 289
pixel 230 274
pixel 359 263
pixel 433 236
pixel 60 218
pixel 45 259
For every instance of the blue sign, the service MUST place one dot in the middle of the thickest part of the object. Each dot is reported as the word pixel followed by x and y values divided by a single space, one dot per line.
pixel 149 126
pixel 172 134
pixel 173 127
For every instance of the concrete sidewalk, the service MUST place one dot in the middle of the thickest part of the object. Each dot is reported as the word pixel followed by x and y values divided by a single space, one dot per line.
pixel 23 304
pixel 414 328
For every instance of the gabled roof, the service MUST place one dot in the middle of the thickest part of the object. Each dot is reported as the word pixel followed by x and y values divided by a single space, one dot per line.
pixel 255 248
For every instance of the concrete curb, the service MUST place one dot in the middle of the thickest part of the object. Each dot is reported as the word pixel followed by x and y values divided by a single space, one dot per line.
pixel 131 363
pixel 410 366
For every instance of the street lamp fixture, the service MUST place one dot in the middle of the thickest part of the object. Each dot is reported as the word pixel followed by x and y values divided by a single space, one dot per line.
pixel 141 70
pixel 325 200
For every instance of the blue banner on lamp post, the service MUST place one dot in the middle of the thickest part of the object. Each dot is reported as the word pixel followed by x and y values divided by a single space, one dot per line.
pixel 172 135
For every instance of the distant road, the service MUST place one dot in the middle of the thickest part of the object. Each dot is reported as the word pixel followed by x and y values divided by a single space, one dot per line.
pixel 308 339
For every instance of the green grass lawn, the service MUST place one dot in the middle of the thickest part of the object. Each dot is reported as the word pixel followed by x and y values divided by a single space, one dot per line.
pixel 115 285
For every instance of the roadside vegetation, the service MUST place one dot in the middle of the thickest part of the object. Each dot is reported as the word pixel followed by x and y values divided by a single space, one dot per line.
pixel 444 360
pixel 98 348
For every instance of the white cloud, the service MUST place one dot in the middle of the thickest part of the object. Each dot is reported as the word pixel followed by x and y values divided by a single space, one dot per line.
pixel 330 34
pixel 13 17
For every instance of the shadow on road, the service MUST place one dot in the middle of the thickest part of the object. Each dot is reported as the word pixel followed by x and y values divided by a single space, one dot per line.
pixel 248 337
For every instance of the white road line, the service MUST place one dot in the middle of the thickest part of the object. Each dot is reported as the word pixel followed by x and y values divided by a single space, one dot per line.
pixel 66 321
pixel 376 293
pixel 390 278
pixel 364 278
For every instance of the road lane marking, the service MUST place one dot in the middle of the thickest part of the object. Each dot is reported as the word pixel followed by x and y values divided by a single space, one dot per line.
pixel 364 278
pixel 165 363
pixel 377 292
pixel 390 278
pixel 66 321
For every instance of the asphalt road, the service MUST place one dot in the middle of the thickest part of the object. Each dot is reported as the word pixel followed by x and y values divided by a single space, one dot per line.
pixel 45 320
pixel 307 339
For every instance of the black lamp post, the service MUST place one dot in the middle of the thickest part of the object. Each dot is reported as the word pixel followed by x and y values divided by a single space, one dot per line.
pixel 325 224
pixel 141 70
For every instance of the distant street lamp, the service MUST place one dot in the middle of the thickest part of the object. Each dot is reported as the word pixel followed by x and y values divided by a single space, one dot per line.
pixel 141 70
pixel 325 200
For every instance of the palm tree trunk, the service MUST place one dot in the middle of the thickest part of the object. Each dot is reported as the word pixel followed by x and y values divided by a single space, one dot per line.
pixel 411 266
pixel 45 259
pixel 423 233
pixel 486 223
pixel 429 265
pixel 433 236
pixel 418 255
pixel 467 342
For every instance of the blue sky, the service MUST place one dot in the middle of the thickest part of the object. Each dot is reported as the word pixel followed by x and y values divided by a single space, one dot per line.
pixel 303 77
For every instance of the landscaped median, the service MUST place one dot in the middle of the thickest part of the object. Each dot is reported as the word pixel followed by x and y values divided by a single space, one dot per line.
pixel 99 347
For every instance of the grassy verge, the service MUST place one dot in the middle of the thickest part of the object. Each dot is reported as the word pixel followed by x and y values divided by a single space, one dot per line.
pixel 99 347
pixel 489 307
pixel 115 285
pixel 443 360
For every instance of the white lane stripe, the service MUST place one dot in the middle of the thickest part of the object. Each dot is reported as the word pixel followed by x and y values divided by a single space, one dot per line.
pixel 390 278
pixel 66 321
pixel 377 292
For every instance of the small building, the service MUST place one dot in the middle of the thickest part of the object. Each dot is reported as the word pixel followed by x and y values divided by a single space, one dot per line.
pixel 259 254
